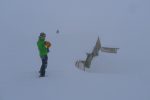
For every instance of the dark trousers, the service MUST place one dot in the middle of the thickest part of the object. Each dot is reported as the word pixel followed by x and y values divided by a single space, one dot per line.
pixel 44 65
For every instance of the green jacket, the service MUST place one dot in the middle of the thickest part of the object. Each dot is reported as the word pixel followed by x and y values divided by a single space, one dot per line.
pixel 42 49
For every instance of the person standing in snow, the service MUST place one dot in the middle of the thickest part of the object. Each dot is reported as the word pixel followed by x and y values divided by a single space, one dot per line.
pixel 43 47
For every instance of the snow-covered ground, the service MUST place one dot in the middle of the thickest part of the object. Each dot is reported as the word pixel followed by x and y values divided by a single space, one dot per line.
pixel 118 23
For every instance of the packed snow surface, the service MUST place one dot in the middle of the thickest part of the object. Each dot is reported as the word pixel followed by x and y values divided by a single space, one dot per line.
pixel 118 23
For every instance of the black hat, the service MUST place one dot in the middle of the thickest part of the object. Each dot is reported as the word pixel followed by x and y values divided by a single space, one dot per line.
pixel 42 34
